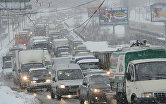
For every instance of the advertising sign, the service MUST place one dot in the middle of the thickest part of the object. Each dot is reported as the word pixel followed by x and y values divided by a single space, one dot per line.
pixel 158 13
pixel 114 16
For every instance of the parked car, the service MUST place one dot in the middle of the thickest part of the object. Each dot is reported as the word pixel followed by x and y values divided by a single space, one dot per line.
pixel 66 79
pixel 95 89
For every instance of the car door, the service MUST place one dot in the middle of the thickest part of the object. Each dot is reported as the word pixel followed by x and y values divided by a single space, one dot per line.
pixel 130 83
pixel 84 88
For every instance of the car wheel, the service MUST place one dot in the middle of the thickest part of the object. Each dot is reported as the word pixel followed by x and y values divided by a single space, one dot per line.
pixel 134 101
pixel 29 89
pixel 81 101
pixel 90 101
pixel 52 95
pixel 58 97
pixel 21 86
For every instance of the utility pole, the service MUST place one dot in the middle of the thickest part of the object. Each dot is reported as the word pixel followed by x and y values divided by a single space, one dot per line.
pixel 125 4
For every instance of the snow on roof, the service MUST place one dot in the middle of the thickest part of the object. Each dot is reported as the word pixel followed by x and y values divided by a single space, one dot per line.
pixel 60 40
pixel 40 37
pixel 32 69
pixel 67 66
pixel 101 73
pixel 36 41
pixel 83 56
pixel 88 61
pixel 148 60
pixel 98 46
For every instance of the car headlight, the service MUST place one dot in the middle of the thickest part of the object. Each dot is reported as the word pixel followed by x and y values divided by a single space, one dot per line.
pixel 33 81
pixel 147 95
pixel 62 86
pixel 48 80
pixel 25 78
pixel 49 72
pixel 96 90
pixel 108 72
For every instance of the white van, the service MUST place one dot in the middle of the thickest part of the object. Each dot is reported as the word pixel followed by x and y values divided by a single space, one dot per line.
pixel 66 80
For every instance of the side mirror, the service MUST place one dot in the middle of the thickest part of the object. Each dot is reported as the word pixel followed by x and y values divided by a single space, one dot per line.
pixel 128 76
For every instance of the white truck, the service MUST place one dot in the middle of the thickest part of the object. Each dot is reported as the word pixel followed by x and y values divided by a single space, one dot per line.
pixel 58 43
pixel 27 59
pixel 138 75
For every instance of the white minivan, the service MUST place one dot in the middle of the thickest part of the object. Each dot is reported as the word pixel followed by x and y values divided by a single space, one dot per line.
pixel 66 80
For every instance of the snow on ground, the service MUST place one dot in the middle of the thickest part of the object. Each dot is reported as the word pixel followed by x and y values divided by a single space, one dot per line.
pixel 7 96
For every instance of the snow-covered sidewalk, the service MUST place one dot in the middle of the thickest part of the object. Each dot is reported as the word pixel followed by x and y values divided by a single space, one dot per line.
pixel 7 96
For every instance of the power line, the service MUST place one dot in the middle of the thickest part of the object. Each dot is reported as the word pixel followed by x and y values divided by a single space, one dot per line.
pixel 70 8
pixel 88 20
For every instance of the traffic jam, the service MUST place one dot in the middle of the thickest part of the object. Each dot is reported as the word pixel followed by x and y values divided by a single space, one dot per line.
pixel 49 61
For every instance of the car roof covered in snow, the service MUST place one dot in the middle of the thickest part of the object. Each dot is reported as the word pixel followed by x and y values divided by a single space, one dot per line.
pixel 33 69
pixel 96 74
pixel 66 66
pixel 88 61
pixel 148 60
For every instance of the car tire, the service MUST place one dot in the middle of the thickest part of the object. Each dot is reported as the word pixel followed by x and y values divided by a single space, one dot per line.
pixel 134 101
pixel 58 97
pixel 90 101
pixel 52 95
pixel 81 101
pixel 29 89
pixel 21 86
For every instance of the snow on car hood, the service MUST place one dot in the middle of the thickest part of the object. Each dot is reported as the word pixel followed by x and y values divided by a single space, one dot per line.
pixel 70 82
pixel 152 85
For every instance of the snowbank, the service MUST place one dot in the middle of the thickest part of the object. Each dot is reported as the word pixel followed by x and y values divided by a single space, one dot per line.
pixel 8 96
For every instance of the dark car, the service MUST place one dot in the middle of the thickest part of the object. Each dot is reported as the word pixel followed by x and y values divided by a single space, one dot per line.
pixel 95 89
pixel 38 78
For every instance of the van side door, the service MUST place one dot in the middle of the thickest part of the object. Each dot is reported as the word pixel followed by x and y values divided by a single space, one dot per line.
pixel 130 81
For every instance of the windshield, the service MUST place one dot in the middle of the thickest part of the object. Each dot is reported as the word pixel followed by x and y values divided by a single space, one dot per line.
pixel 99 79
pixel 85 66
pixel 71 74
pixel 26 67
pixel 37 73
pixel 8 65
pixel 150 71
